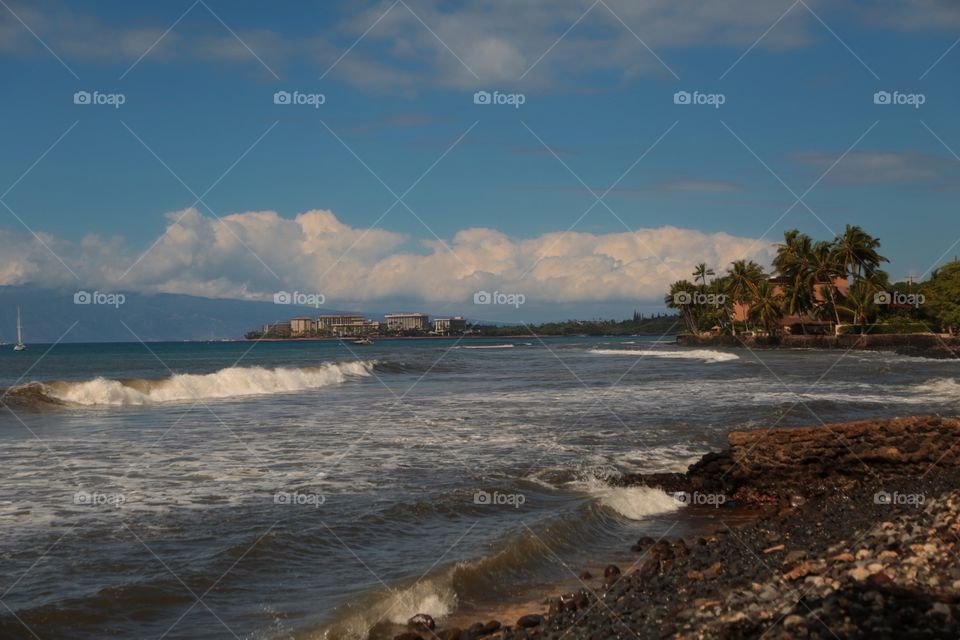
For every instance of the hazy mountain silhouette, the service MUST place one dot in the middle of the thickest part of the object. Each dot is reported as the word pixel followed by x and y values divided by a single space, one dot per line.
pixel 48 315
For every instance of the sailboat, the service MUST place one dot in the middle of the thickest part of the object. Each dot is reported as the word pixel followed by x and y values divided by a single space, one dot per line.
pixel 19 346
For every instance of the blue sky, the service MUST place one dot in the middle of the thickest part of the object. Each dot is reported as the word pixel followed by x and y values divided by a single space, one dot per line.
pixel 797 78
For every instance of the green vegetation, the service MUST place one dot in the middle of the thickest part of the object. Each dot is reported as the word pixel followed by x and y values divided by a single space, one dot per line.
pixel 657 324
pixel 942 293
pixel 817 286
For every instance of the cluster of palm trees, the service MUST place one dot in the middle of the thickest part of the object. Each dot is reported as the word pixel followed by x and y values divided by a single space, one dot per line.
pixel 807 286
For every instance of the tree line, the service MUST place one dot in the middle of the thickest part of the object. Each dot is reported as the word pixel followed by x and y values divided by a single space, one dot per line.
pixel 820 284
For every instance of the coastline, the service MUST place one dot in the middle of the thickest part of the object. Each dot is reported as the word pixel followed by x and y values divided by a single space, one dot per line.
pixel 518 336
pixel 376 337
pixel 854 532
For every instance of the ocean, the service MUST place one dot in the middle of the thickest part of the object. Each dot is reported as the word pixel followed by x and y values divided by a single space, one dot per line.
pixel 328 490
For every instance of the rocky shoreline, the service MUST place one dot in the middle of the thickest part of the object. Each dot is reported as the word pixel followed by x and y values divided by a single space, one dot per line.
pixel 857 536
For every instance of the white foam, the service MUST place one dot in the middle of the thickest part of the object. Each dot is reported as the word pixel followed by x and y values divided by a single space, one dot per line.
pixel 434 597
pixel 945 388
pixel 490 346
pixel 706 355
pixel 635 503
pixel 225 383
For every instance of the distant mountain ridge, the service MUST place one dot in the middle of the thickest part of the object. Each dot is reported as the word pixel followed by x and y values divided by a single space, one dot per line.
pixel 49 313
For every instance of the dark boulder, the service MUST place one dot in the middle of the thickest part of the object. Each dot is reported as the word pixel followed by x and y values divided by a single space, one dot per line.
pixel 532 620
pixel 422 622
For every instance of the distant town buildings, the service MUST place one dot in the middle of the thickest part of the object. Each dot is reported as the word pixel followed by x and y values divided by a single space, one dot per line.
pixel 448 326
pixel 302 325
pixel 345 324
pixel 407 321
pixel 341 325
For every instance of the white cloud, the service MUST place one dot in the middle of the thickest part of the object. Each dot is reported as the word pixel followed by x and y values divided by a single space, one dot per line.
pixel 317 252
pixel 880 167
pixel 499 41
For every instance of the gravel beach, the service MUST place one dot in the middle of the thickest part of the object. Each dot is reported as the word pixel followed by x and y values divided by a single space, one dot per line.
pixel 857 536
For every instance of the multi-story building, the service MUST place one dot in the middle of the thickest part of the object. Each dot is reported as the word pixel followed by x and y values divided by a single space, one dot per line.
pixel 340 324
pixel 302 325
pixel 281 329
pixel 407 321
pixel 449 326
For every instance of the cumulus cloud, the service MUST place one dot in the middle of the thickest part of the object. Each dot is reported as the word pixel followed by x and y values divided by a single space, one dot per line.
pixel 250 255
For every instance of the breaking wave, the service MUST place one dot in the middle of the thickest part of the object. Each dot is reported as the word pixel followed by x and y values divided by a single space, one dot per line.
pixel 946 388
pixel 634 503
pixel 231 382
pixel 707 355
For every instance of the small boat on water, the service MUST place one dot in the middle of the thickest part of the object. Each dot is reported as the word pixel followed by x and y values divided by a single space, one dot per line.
pixel 363 341
pixel 19 346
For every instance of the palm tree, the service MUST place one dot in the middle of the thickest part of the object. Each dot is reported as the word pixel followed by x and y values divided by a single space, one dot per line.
pixel 722 313
pixel 825 268
pixel 681 297
pixel 701 271
pixel 859 303
pixel 857 251
pixel 793 263
pixel 743 276
pixel 767 307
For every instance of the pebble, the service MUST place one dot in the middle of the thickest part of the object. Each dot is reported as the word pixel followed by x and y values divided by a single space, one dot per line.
pixel 859 573
pixel 792 621
pixel 795 556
